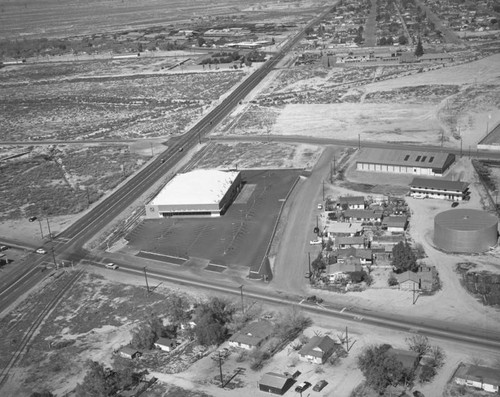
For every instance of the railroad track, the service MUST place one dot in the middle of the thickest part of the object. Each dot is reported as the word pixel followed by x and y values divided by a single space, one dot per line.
pixel 35 326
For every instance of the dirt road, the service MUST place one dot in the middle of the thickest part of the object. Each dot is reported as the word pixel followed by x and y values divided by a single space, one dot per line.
pixel 291 262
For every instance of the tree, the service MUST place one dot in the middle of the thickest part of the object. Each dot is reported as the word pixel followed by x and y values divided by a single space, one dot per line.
pixel 403 257
pixel 380 368
pixel 44 393
pixel 419 51
pixel 177 309
pixel 419 344
pixel 212 318
pixel 148 333
pixel 402 40
pixel 98 381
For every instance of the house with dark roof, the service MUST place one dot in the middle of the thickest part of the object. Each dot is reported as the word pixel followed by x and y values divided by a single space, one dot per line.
pixel 422 280
pixel 317 350
pixel 357 216
pixel 129 352
pixel 365 255
pixel 352 202
pixel 416 162
pixel 439 188
pixel 409 359
pixel 252 335
pixel 274 383
pixel 485 378
pixel 339 271
pixel 395 224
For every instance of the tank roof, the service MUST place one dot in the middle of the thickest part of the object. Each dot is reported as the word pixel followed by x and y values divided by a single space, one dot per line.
pixel 466 219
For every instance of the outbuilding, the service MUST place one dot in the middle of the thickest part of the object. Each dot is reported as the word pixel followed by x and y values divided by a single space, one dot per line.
pixel 274 383
pixel 165 344
pixel 129 352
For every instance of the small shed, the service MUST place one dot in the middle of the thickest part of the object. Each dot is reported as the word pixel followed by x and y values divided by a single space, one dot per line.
pixel 165 344
pixel 274 383
pixel 129 352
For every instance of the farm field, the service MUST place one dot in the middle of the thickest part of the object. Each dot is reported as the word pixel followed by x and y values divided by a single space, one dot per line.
pixel 383 103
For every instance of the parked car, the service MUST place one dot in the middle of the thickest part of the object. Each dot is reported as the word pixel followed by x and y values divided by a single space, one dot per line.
pixel 4 247
pixel 41 251
pixel 32 218
pixel 111 265
pixel 302 387
pixel 320 385
pixel 320 206
pixel 454 204
pixel 314 242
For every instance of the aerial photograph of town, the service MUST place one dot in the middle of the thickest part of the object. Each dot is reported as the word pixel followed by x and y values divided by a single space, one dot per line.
pixel 226 198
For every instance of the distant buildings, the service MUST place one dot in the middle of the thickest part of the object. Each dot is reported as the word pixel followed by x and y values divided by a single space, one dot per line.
pixel 439 188
pixel 485 378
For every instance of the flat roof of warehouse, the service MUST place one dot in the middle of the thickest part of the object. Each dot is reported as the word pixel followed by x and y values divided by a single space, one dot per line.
pixel 409 158
pixel 196 187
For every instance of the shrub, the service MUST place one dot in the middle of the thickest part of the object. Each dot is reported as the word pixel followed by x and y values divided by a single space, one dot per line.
pixel 392 281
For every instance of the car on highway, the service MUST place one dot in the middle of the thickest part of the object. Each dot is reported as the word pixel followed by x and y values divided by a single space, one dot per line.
pixel 111 265
pixel 320 385
pixel 32 218
pixel 302 387
pixel 181 149
pixel 41 251
pixel 320 206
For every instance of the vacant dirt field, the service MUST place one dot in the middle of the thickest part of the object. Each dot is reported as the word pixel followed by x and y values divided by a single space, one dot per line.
pixel 385 103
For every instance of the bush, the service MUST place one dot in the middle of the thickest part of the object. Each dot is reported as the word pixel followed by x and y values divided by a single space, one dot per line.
pixel 426 374
pixel 392 281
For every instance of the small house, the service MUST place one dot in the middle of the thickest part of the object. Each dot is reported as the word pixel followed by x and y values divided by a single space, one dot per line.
pixel 165 344
pixel 364 255
pixel 348 241
pixel 422 280
pixel 317 350
pixel 129 352
pixel 351 202
pixel 339 271
pixel 395 224
pixel 485 378
pixel 252 335
pixel 274 383
pixel 361 215
pixel 409 359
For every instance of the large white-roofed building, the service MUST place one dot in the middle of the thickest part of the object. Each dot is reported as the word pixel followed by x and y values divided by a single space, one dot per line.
pixel 196 193
pixel 415 162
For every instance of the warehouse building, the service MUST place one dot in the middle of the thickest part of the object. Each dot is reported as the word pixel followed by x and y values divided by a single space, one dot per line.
pixel 404 161
pixel 196 193
pixel 439 188
pixel 465 230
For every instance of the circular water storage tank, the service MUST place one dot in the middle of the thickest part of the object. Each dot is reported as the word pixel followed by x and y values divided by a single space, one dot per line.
pixel 465 230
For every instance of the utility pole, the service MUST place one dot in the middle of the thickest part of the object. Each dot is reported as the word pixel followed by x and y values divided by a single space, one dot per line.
pixel 220 369
pixel 359 141
pixel 48 226
pixel 146 277
pixel 347 339
pixel 323 190
pixel 53 257
pixel 41 230
pixel 242 305
pixel 152 150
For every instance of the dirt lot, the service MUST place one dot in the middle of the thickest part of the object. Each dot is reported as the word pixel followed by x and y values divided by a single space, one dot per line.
pixel 452 103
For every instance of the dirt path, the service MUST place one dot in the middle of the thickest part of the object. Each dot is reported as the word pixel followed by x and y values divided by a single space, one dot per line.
pixel 291 263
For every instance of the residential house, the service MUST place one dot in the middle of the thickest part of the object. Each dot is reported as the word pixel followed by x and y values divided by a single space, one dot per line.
pixel 395 224
pixel 351 202
pixel 129 352
pixel 422 280
pixel 485 378
pixel 409 359
pixel 272 382
pixel 339 271
pixel 365 256
pixel 350 241
pixel 252 335
pixel 358 215
pixel 165 344
pixel 317 350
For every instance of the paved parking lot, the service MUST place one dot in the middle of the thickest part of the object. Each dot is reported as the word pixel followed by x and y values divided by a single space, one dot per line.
pixel 238 238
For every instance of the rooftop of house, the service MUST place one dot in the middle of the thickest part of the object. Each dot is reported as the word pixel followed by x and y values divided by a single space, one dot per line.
pixel 350 265
pixel 406 357
pixel 351 200
pixel 273 379
pixel 441 184
pixel 361 213
pixel 350 240
pixel 317 346
pixel 395 221
pixel 479 373
pixel 252 334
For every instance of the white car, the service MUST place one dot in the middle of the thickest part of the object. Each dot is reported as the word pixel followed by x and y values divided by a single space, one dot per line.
pixel 111 265
pixel 314 242
pixel 41 251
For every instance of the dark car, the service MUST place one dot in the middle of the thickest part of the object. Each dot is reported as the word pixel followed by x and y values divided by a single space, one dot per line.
pixel 320 385
pixel 454 204
pixel 32 218
pixel 303 386
pixel 4 248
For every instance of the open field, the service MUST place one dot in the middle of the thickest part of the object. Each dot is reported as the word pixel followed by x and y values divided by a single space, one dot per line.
pixel 109 107
pixel 385 103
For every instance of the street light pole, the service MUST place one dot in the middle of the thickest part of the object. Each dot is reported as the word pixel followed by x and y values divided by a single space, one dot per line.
pixel 242 305
pixel 41 230
pixel 48 226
